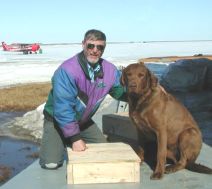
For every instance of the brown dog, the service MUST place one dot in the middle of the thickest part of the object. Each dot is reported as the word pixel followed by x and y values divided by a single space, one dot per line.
pixel 161 117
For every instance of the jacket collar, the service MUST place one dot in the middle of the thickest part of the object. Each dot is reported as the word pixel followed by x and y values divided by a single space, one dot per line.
pixel 83 63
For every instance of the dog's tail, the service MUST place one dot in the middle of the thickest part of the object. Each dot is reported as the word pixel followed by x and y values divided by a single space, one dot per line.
pixel 199 168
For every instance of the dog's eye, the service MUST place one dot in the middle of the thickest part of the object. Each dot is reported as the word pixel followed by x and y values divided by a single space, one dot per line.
pixel 140 75
pixel 129 74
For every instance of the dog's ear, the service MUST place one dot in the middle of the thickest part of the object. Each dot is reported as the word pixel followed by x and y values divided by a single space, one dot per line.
pixel 153 79
pixel 140 62
pixel 122 79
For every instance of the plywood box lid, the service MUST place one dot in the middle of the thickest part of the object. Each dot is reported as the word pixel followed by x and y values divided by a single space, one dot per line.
pixel 103 153
pixel 125 114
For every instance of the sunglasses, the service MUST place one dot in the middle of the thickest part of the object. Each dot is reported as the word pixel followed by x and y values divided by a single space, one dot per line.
pixel 99 47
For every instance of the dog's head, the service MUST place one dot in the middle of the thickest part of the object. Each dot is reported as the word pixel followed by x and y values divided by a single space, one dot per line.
pixel 138 79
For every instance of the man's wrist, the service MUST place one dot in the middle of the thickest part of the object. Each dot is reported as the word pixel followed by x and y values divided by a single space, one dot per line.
pixel 74 138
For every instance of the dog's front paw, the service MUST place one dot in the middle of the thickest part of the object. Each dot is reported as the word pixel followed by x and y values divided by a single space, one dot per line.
pixel 156 176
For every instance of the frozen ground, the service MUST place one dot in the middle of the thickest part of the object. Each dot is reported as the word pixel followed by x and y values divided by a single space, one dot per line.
pixel 16 68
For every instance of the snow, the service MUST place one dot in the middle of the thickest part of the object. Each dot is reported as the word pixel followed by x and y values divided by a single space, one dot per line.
pixel 16 68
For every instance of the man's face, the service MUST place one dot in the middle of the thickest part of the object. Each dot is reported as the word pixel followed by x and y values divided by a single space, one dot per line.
pixel 93 50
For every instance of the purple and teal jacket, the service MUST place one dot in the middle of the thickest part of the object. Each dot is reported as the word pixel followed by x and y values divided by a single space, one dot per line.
pixel 74 98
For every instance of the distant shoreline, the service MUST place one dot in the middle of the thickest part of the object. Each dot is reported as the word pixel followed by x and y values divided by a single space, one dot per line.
pixel 174 58
pixel 127 42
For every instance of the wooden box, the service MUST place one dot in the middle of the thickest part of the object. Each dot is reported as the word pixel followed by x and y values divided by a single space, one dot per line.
pixel 103 163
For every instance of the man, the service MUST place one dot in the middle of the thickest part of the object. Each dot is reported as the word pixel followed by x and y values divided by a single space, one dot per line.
pixel 79 85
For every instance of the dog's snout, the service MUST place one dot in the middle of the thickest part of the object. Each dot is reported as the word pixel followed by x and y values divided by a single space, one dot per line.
pixel 132 84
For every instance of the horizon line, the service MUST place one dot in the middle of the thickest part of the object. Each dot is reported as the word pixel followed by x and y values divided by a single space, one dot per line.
pixel 119 42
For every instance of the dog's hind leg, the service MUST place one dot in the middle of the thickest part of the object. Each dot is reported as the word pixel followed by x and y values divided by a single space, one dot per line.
pixel 189 147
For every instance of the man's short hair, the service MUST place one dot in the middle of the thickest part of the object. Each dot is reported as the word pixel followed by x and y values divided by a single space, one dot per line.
pixel 94 34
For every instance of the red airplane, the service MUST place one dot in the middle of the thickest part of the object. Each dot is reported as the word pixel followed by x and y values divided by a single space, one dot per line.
pixel 22 47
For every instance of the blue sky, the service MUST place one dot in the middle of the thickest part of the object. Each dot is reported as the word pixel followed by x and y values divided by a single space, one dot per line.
pixel 56 21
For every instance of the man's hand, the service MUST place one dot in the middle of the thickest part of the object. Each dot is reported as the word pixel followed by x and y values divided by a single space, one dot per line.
pixel 79 145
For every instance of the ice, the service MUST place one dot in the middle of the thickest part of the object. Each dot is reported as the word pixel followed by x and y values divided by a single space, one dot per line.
pixel 16 68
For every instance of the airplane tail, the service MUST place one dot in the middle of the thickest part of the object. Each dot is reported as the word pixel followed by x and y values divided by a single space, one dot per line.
pixel 5 47
pixel 199 168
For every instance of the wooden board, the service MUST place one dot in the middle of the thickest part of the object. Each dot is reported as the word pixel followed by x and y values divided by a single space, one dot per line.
pixel 103 163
